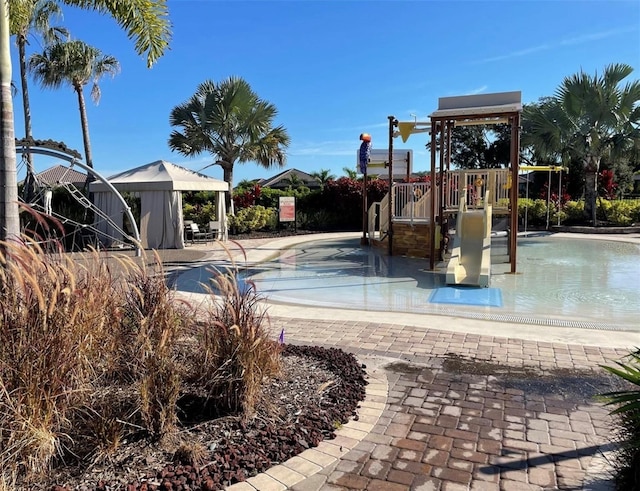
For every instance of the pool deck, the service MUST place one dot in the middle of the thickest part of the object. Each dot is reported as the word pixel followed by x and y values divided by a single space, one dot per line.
pixel 427 427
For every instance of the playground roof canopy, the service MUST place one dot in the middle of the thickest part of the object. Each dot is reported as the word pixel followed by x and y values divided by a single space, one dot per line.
pixel 480 106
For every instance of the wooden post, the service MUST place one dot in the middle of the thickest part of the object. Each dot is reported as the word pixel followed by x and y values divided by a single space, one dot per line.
pixel 392 123
pixel 432 242
pixel 365 212
pixel 513 199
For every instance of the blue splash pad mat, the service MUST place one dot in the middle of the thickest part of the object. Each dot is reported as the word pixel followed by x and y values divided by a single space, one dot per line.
pixel 467 295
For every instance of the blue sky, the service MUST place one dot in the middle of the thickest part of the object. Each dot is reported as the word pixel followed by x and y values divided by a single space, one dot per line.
pixel 334 69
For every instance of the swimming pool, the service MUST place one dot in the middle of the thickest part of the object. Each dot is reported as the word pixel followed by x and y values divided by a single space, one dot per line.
pixel 560 281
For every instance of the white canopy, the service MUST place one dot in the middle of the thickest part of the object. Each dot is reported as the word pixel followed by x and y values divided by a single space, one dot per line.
pixel 159 185
pixel 161 176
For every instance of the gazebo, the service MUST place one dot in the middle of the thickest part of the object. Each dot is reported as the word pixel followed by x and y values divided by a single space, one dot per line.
pixel 159 185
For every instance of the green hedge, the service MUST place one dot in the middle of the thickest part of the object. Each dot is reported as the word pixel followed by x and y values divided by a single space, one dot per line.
pixel 201 214
pixel 624 212
pixel 253 218
pixel 615 212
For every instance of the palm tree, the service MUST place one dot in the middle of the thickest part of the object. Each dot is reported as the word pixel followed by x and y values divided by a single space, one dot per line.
pixel 145 21
pixel 229 121
pixel 588 119
pixel 25 17
pixel 350 173
pixel 323 176
pixel 293 181
pixel 247 184
pixel 74 63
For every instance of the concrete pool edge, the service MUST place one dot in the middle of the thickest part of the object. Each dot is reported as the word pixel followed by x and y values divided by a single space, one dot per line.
pixel 527 332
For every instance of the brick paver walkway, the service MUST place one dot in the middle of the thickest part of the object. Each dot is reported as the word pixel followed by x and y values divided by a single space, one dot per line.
pixel 431 422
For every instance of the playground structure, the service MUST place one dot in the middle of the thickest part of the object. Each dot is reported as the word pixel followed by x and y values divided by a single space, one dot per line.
pixel 413 218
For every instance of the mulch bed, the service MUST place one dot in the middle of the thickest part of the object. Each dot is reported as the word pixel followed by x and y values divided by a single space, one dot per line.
pixel 318 391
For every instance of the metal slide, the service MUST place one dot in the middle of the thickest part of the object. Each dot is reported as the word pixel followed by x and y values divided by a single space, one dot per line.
pixel 470 262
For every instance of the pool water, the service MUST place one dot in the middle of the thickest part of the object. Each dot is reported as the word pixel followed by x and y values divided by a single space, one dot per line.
pixel 559 281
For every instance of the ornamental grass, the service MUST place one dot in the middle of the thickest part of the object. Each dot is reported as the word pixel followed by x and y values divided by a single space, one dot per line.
pixel 96 351
pixel 236 352
pixel 54 314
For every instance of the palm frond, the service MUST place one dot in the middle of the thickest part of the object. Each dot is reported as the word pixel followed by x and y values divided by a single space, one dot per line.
pixel 145 21
pixel 230 121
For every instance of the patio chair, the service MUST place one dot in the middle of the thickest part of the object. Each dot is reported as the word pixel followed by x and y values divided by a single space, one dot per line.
pixel 215 228
pixel 197 235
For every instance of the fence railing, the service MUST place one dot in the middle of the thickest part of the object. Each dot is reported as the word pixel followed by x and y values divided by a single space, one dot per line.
pixel 412 201
pixel 476 183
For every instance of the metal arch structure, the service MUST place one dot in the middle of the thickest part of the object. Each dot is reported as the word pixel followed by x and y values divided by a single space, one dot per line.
pixel 59 150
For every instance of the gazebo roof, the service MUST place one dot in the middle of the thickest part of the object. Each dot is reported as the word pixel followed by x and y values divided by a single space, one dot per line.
pixel 161 176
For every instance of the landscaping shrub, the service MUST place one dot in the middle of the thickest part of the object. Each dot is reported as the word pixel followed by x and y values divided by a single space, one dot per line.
pixel 635 210
pixel 627 402
pixel 53 314
pixel 559 217
pixel 534 211
pixel 253 218
pixel 341 202
pixel 201 214
pixel 345 197
pixel 246 197
pixel 624 212
pixel 270 198
pixel 574 211
pixel 603 207
pixel 315 220
pixel 621 213
pixel 617 212
pixel 237 353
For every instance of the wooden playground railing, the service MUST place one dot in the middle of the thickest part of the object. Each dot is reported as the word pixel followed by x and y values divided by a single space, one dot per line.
pixel 474 184
pixel 412 201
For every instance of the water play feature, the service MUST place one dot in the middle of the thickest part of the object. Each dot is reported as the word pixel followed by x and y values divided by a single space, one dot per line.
pixel 561 281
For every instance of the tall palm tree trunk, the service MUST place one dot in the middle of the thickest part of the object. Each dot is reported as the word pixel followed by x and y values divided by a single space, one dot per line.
pixel 8 175
pixel 591 166
pixel 590 197
pixel 227 173
pixel 85 126
pixel 29 181
pixel 84 122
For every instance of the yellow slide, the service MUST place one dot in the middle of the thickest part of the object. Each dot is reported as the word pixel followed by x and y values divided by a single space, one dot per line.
pixel 470 262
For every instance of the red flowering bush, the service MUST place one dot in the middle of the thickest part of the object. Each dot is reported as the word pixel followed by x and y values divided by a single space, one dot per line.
pixel 343 199
pixel 607 187
pixel 247 198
